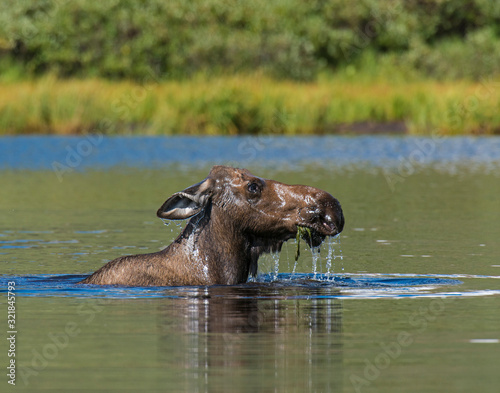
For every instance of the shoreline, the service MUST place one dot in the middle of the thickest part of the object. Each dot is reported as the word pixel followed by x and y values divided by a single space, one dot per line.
pixel 249 105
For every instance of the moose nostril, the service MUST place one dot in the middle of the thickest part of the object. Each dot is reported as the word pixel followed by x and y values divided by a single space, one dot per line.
pixel 335 223
pixel 330 226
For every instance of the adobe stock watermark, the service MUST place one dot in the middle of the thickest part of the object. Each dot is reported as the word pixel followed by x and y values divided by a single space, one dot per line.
pixel 75 154
pixel 28 29
pixel 370 30
pixel 135 96
pixel 58 342
pixel 425 148
pixel 255 319
pixel 465 109
pixel 389 352
pixel 250 148
pixel 410 165
pixel 11 332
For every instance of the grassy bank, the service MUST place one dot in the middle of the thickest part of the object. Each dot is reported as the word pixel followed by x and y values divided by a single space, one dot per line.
pixel 247 105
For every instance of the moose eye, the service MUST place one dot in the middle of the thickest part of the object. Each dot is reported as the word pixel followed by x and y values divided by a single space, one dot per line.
pixel 253 188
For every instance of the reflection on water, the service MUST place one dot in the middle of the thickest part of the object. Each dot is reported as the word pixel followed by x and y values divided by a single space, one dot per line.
pixel 225 328
pixel 268 335
pixel 290 286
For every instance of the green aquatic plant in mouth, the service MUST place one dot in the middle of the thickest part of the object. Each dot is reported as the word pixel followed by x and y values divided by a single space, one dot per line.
pixel 304 233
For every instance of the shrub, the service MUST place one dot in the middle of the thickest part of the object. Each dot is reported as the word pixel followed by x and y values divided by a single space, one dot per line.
pixel 292 39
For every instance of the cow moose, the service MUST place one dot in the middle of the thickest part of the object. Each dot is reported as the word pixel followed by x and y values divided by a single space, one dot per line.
pixel 234 218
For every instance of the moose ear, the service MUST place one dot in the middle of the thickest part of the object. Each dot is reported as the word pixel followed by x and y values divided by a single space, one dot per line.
pixel 186 203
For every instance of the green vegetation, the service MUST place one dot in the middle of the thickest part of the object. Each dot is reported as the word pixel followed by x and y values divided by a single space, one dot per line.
pixel 291 39
pixel 304 233
pixel 246 105
pixel 239 67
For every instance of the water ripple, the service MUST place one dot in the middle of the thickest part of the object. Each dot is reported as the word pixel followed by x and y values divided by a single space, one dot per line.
pixel 287 285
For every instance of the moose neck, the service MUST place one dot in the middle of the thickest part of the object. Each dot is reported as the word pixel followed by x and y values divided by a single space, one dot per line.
pixel 215 244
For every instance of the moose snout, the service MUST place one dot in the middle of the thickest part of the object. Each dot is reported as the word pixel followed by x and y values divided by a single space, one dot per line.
pixel 326 217
pixel 334 223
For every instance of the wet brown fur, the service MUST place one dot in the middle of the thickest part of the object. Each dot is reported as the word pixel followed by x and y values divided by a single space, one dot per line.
pixel 235 217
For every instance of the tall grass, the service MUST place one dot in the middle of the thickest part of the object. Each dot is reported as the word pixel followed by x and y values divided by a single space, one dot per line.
pixel 246 105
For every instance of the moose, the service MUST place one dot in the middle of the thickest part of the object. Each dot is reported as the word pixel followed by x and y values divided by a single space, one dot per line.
pixel 234 218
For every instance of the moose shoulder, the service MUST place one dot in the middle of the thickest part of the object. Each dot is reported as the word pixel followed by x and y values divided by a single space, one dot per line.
pixel 235 217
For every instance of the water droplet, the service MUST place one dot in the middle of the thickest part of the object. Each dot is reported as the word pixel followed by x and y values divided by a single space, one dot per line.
pixel 276 259
pixel 330 257
pixel 484 341
pixel 294 270
pixel 315 259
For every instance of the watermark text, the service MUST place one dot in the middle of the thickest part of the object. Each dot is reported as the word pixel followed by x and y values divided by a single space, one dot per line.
pixel 11 332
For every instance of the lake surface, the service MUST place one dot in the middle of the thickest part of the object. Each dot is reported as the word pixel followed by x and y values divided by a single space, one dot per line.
pixel 406 299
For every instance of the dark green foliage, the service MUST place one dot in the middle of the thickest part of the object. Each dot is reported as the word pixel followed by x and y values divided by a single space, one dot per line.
pixel 294 39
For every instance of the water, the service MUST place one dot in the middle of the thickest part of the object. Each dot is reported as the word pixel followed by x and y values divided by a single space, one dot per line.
pixel 406 299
